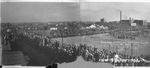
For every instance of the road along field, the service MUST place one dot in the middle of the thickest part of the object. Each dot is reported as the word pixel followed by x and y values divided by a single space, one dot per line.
pixel 141 45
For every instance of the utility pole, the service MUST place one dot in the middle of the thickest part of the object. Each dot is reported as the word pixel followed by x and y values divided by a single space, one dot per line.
pixel 62 38
pixel 117 49
pixel 61 34
pixel 109 43
pixel 131 49
pixel 125 49
pixel 131 39
pixel 109 47
pixel 120 16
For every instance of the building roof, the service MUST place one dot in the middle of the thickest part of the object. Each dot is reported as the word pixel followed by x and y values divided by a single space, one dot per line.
pixel 6 47
pixel 138 21
pixel 12 58
pixel 127 21
pixel 26 58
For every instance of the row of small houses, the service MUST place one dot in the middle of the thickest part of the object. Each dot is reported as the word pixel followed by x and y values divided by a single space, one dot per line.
pixel 93 26
pixel 134 22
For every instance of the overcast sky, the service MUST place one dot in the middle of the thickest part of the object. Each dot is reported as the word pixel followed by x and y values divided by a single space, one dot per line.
pixel 40 12
pixel 85 11
pixel 110 11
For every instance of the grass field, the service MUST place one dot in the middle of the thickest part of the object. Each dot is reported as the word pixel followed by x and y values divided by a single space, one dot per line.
pixel 102 41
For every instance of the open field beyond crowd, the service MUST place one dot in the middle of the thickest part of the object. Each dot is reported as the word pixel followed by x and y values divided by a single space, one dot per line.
pixel 102 41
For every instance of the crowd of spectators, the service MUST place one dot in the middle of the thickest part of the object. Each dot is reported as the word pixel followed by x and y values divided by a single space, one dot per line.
pixel 118 59
pixel 60 53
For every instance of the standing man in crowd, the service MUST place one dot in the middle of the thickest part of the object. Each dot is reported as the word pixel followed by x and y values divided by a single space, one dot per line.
pixel 116 58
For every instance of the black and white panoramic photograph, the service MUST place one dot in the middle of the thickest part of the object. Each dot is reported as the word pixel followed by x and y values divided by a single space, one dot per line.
pixel 75 34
